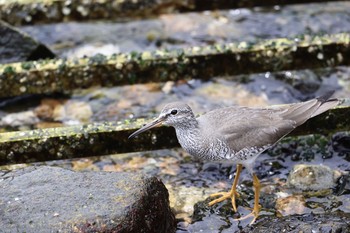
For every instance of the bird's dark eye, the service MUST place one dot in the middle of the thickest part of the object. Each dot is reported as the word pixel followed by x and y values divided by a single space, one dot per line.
pixel 173 112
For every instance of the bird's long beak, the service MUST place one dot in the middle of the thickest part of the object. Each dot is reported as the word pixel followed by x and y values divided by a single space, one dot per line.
pixel 148 126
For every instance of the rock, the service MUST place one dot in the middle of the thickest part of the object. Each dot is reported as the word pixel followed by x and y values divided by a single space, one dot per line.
pixel 323 223
pixel 17 46
pixel 221 218
pixel 312 177
pixel 19 119
pixel 70 112
pixel 226 94
pixel 294 204
pixel 78 110
pixel 182 199
pixel 209 224
pixel 60 200
pixel 341 142
pixel 90 50
pixel 45 125
pixel 168 87
pixel 46 108
pixel 207 219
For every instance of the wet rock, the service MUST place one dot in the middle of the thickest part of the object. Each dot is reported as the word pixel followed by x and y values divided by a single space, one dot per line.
pixel 343 185
pixel 59 200
pixel 325 223
pixel 291 205
pixel 209 224
pixel 221 218
pixel 19 119
pixel 168 87
pixel 211 219
pixel 341 142
pixel 46 108
pixel 77 110
pixel 70 112
pixel 182 199
pixel 306 81
pixel 45 125
pixel 90 50
pixel 312 177
pixel 17 46
pixel 226 94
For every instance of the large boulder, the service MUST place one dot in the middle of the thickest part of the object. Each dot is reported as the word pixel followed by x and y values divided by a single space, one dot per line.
pixel 16 46
pixel 51 199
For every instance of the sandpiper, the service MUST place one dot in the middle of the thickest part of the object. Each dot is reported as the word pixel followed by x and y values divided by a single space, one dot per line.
pixel 237 134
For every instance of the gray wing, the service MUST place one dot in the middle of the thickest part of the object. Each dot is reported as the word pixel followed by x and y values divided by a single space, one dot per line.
pixel 240 127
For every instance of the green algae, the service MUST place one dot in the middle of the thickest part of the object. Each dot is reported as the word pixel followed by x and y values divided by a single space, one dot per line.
pixel 77 141
pixel 48 76
pixel 24 12
pixel 109 138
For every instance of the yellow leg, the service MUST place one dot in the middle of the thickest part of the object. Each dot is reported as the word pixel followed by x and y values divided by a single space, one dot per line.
pixel 256 208
pixel 232 194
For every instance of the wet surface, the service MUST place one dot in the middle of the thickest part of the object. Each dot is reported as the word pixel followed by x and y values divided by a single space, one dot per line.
pixel 52 199
pixel 171 31
pixel 193 29
pixel 189 181
pixel 330 222
pixel 144 101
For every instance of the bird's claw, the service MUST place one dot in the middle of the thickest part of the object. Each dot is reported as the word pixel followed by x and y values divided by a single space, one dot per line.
pixel 255 213
pixel 224 196
pixel 252 214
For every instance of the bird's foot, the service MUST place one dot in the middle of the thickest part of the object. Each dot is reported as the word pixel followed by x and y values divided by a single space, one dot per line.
pixel 255 213
pixel 225 195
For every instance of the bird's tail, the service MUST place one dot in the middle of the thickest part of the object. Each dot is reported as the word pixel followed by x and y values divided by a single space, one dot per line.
pixel 326 103
pixel 301 112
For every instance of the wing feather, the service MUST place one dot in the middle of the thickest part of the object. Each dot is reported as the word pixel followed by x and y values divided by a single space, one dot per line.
pixel 241 126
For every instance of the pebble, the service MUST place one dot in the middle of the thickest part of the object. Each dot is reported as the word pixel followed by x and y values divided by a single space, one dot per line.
pixel 168 87
pixel 19 119
pixel 183 198
pixel 312 177
pixel 294 204
pixel 73 110
pixel 46 108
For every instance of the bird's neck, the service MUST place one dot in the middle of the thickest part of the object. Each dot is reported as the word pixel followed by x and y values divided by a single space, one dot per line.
pixel 188 135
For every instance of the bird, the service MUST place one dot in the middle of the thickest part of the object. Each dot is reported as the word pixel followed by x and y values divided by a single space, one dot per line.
pixel 237 134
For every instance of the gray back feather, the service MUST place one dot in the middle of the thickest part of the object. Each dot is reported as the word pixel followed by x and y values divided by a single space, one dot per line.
pixel 242 126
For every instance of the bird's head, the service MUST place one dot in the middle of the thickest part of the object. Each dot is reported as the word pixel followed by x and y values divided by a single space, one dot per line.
pixel 175 114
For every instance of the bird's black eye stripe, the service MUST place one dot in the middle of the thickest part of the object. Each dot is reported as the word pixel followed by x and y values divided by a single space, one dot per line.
pixel 173 112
